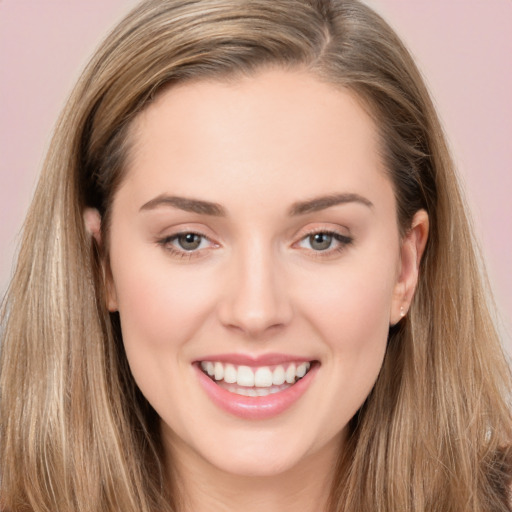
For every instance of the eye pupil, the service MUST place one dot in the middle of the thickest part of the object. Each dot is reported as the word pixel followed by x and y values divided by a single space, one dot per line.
pixel 189 241
pixel 320 241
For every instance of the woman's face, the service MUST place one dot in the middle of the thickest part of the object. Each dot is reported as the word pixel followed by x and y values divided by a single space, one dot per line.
pixel 254 237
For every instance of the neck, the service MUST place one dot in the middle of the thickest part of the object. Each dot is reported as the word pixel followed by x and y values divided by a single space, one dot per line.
pixel 202 487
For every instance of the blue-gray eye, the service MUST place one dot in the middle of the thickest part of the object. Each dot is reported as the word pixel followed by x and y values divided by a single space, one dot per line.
pixel 320 241
pixel 189 241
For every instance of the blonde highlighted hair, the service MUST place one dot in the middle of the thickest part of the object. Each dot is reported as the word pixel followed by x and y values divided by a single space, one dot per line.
pixel 435 434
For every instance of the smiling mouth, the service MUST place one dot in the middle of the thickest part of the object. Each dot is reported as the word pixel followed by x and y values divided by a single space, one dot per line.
pixel 255 381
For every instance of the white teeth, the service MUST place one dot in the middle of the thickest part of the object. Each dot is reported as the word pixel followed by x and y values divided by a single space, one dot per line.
pixel 278 376
pixel 253 392
pixel 219 371
pixel 263 377
pixel 245 391
pixel 208 367
pixel 301 370
pixel 245 377
pixel 290 374
pixel 230 374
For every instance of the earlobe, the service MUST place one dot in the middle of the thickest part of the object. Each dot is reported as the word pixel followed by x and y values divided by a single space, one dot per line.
pixel 111 296
pixel 411 251
pixel 92 222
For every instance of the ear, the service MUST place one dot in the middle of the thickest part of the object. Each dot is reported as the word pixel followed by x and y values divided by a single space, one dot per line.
pixel 411 250
pixel 92 221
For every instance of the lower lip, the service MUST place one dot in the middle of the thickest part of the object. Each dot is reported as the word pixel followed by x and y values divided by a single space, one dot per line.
pixel 259 407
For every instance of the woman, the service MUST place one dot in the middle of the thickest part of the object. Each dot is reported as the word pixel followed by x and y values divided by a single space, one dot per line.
pixel 247 279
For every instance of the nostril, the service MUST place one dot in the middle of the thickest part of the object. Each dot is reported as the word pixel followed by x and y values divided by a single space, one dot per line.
pixel 255 319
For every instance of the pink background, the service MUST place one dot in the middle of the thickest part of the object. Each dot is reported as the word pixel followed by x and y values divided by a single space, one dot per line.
pixel 464 48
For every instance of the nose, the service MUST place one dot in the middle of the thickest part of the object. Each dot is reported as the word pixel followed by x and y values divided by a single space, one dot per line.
pixel 256 299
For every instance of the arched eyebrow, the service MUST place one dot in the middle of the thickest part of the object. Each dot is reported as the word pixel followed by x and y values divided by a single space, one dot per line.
pixel 299 208
pixel 187 204
pixel 321 203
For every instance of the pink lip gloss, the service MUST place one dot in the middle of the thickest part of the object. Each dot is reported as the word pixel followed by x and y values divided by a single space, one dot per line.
pixel 259 407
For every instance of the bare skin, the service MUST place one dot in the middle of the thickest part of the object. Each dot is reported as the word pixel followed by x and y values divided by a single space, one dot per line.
pixel 256 218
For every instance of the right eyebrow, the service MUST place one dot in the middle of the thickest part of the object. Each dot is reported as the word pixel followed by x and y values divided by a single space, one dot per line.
pixel 185 203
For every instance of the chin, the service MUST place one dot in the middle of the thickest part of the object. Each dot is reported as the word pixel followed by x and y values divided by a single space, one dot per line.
pixel 266 465
pixel 268 452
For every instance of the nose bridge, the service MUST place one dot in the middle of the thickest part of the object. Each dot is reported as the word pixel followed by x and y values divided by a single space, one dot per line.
pixel 257 298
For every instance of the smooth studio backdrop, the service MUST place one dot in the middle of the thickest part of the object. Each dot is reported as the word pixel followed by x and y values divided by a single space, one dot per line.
pixel 463 47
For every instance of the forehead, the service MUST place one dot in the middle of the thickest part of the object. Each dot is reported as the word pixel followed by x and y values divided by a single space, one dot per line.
pixel 278 135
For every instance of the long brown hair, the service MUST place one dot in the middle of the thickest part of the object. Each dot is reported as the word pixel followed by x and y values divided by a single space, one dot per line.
pixel 76 434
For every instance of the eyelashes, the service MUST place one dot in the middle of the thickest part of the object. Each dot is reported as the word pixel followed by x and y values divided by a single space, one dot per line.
pixel 319 243
pixel 324 242
pixel 187 244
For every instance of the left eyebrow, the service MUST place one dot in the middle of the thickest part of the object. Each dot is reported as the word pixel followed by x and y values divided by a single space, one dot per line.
pixel 321 203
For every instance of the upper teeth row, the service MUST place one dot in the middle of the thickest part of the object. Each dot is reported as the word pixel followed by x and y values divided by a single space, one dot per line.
pixel 260 377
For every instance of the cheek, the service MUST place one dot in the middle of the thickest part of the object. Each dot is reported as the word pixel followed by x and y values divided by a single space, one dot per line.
pixel 353 305
pixel 351 314
pixel 353 320
pixel 160 312
pixel 160 305
pixel 357 333
pixel 361 318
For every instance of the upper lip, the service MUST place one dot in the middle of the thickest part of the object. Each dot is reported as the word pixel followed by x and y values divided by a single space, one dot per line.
pixel 255 360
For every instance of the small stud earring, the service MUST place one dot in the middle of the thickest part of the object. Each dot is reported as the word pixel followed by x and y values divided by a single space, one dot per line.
pixel 402 311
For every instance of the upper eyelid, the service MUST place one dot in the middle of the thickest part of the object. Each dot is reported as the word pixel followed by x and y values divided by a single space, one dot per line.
pixel 170 234
pixel 341 231
pixel 321 229
pixel 174 236
pixel 185 232
pixel 335 234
